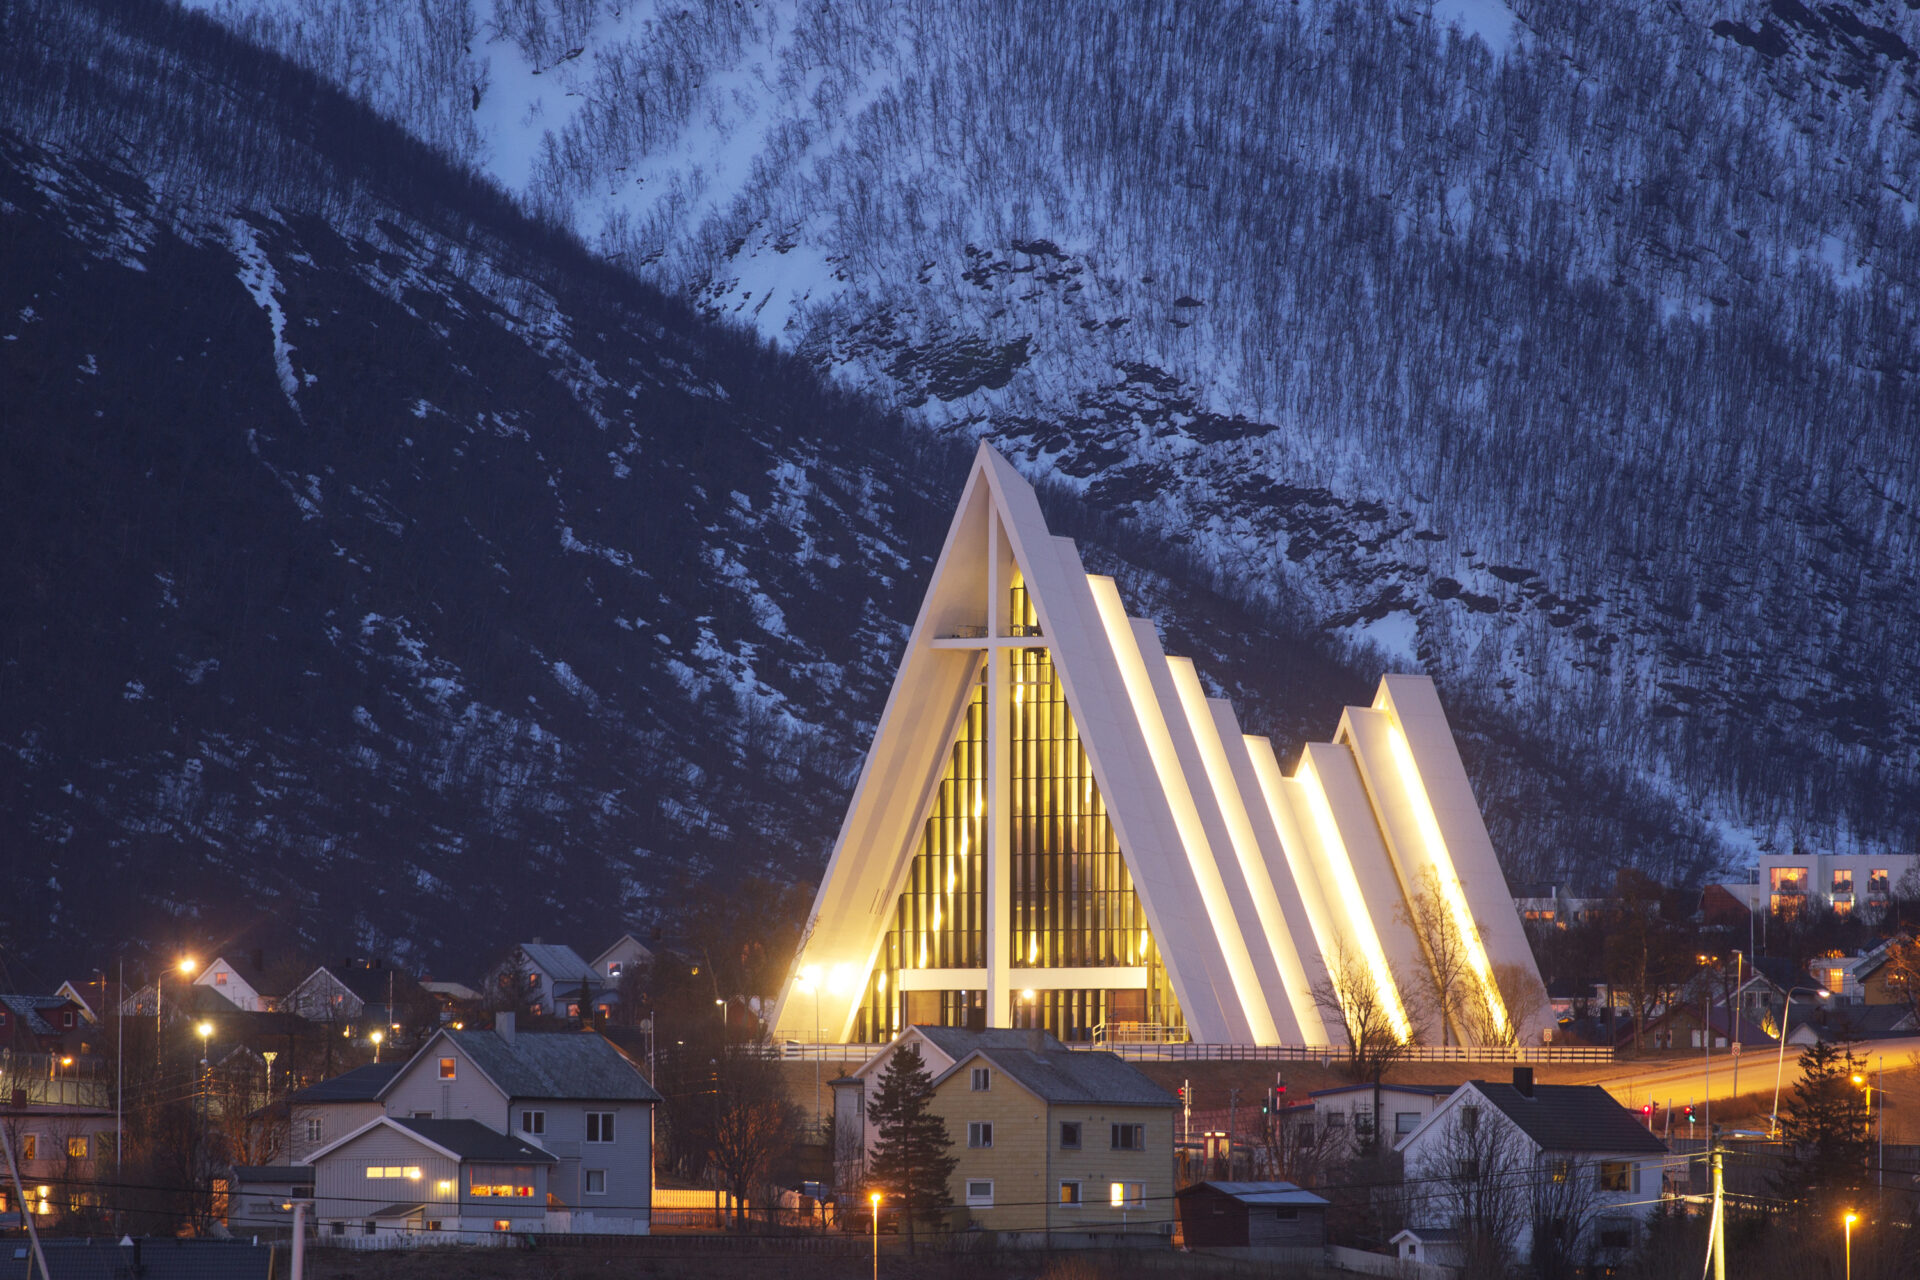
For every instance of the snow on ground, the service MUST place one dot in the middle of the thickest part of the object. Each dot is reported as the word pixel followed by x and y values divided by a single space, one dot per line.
pixel 257 276
pixel 1491 20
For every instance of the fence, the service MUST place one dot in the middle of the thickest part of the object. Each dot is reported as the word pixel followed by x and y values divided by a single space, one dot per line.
pixel 75 1080
pixel 1193 1051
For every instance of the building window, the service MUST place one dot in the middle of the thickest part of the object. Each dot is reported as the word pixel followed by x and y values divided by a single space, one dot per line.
pixel 1877 882
pixel 1615 1234
pixel 1843 882
pixel 339 1228
pixel 982 1079
pixel 220 979
pixel 980 1133
pixel 573 1008
pixel 381 1171
pixel 1127 1195
pixel 66 1019
pixel 369 1228
pixel 1069 1193
pixel 1560 1169
pixel 448 1070
pixel 1129 1137
pixel 1470 1119
pixel 613 968
pixel 420 1115
pixel 1836 978
pixel 596 1182
pixel 599 1126
pixel 500 1181
pixel 77 1148
pixel 1070 1135
pixel 533 1122
pixel 1405 1122
pixel 1336 1119
pixel 1617 1175
pixel 979 1193
pixel 313 1131
pixel 503 1224
pixel 30 1147
pixel 1286 1213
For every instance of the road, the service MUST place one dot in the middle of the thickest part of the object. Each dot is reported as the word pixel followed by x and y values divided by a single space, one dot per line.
pixel 1683 1080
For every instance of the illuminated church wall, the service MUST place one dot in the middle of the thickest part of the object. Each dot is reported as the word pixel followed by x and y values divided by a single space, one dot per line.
pixel 1056 827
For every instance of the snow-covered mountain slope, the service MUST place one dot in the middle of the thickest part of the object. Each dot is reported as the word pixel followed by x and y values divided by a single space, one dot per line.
pixel 387 574
pixel 1567 351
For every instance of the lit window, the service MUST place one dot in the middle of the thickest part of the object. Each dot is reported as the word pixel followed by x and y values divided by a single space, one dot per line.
pixel 596 1182
pixel 1069 1193
pixel 533 1122
pixel 979 1193
pixel 1070 1135
pixel 573 1008
pixel 502 1224
pixel 1877 882
pixel 1127 1195
pixel 982 1079
pixel 980 1133
pixel 447 1068
pixel 77 1148
pixel 1843 882
pixel 1129 1137
pixel 1617 1175
pixel 500 1182
pixel 220 978
pixel 1836 978
pixel 382 1171
pixel 599 1126
pixel 613 968
pixel 30 1147
pixel 1560 1169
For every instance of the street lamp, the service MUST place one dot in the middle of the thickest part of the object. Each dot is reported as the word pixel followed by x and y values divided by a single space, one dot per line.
pixel 873 1204
pixel 1850 1220
pixel 377 1036
pixel 1786 1014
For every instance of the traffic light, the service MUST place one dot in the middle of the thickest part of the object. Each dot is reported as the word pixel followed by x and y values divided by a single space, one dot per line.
pixel 1183 1094
pixel 1689 1113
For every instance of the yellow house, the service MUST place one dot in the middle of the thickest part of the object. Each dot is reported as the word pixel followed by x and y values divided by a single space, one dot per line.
pixel 1053 1139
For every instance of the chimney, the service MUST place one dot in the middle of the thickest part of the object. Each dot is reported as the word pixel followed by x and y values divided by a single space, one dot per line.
pixel 536 939
pixel 1523 1081
pixel 503 1026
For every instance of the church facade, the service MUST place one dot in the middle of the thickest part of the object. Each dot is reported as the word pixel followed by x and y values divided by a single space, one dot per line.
pixel 1056 827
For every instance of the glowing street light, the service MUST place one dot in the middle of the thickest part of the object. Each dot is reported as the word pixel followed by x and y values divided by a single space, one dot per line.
pixel 376 1036
pixel 873 1204
pixel 1851 1218
pixel 187 965
pixel 1780 1058
pixel 205 1032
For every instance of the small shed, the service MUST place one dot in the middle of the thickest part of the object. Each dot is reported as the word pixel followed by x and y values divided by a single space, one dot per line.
pixel 1229 1215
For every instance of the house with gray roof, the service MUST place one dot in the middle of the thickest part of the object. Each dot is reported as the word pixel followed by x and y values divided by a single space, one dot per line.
pixel 1499 1155
pixel 322 1113
pixel 447 1181
pixel 1048 1139
pixel 571 1094
pixel 548 978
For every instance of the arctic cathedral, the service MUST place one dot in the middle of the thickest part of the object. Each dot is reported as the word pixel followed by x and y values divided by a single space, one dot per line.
pixel 1055 827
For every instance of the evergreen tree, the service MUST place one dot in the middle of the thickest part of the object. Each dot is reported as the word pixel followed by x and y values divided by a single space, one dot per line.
pixel 910 1161
pixel 1825 1127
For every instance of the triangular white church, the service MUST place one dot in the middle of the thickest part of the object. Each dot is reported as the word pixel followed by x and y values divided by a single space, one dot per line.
pixel 1056 827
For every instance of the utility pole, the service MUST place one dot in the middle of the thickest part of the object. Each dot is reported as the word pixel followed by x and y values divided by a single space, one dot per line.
pixel 1186 1112
pixel 1733 1018
pixel 1706 1036
pixel 1233 1110
pixel 1719 1233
